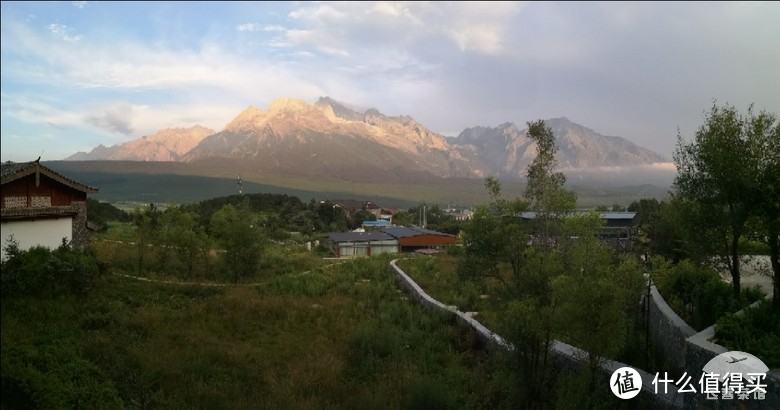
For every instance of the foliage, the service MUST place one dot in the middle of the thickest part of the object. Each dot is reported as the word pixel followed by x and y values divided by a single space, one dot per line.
pixel 755 330
pixel 179 233
pixel 697 293
pixel 103 212
pixel 495 237
pixel 728 175
pixel 236 231
pixel 563 281
pixel 545 189
pixel 436 218
pixel 594 308
pixel 40 271
pixel 283 207
pixel 341 337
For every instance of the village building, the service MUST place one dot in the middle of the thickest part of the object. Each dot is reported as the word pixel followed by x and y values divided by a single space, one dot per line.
pixel 39 206
pixel 390 239
pixel 618 229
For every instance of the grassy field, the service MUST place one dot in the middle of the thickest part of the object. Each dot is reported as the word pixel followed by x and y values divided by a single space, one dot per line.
pixel 177 183
pixel 343 337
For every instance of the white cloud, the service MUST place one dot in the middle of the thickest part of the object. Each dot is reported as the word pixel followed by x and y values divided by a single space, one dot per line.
pixel 79 4
pixel 63 32
pixel 249 27
pixel 259 27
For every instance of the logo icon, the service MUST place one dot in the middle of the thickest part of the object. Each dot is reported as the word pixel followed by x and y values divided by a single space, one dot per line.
pixel 625 383
pixel 735 362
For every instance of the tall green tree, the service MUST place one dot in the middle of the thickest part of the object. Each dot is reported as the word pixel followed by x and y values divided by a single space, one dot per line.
pixel 719 172
pixel 545 188
pixel 236 231
pixel 496 238
pixel 647 210
pixel 764 130
pixel 145 222
pixel 181 234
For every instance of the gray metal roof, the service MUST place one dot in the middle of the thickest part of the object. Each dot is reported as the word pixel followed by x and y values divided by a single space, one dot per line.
pixel 359 236
pixel 603 215
pixel 407 231
pixel 618 215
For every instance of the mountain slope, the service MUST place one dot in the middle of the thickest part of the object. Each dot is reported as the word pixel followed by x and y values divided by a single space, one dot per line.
pixel 166 145
pixel 331 140
pixel 294 138
pixel 507 151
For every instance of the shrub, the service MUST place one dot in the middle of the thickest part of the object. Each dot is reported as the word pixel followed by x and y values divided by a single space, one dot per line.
pixel 756 331
pixel 40 271
pixel 51 377
pixel 697 292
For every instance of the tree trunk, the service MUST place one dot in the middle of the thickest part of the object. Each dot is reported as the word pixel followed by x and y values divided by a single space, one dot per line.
pixel 734 268
pixel 774 252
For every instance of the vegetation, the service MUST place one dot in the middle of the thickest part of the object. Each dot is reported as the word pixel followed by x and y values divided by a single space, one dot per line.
pixel 727 182
pixel 341 337
pixel 554 278
pixel 755 330
pixel 236 312
pixel 102 212
pixel 697 293
pixel 41 272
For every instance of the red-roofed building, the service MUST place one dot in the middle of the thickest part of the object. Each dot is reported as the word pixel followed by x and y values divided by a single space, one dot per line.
pixel 42 207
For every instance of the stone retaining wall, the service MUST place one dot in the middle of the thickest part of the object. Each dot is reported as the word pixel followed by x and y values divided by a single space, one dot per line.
pixel 689 351
pixel 699 350
pixel 561 352
pixel 668 331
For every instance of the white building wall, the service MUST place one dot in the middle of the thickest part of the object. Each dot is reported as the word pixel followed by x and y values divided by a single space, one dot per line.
pixel 44 232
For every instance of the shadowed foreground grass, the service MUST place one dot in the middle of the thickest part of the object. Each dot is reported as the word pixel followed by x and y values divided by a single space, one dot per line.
pixel 342 338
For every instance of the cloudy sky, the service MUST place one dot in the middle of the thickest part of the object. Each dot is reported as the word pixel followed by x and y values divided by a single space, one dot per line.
pixel 79 74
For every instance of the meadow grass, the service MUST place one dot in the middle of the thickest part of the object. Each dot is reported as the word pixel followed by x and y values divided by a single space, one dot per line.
pixel 342 337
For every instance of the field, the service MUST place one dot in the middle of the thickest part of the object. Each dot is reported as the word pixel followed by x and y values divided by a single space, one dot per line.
pixel 339 337
pixel 123 181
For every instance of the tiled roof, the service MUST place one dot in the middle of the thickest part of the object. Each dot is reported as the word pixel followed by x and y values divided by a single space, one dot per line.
pixel 359 236
pixel 406 231
pixel 12 171
pixel 14 213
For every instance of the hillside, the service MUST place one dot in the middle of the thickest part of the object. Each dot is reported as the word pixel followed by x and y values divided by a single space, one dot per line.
pixel 329 140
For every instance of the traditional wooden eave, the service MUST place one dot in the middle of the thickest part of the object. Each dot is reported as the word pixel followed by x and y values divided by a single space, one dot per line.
pixel 13 171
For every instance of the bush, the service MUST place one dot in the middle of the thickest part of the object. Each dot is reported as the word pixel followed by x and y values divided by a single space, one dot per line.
pixel 49 377
pixel 750 247
pixel 755 331
pixel 40 271
pixel 697 293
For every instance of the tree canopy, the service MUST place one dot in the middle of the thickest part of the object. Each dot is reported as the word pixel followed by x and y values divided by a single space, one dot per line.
pixel 728 176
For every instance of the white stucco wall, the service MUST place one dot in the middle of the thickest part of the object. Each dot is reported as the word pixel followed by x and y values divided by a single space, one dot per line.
pixel 44 232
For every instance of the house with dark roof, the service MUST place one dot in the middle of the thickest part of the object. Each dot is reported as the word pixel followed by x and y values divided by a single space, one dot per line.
pixel 390 239
pixel 39 206
pixel 356 244
pixel 618 229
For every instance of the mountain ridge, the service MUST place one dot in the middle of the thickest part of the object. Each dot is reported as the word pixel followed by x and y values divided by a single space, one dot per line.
pixel 330 139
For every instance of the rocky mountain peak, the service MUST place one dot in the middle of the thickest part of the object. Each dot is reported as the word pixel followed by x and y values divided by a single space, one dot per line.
pixel 340 110
pixel 288 105
pixel 332 139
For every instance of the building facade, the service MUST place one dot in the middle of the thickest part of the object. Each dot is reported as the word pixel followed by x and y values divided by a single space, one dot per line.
pixel 42 207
